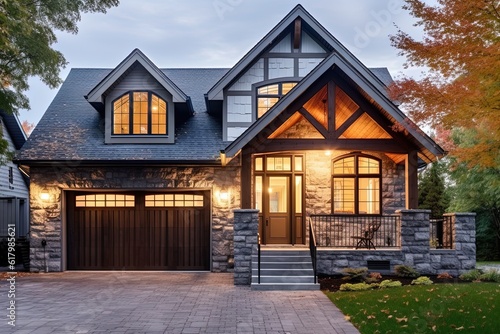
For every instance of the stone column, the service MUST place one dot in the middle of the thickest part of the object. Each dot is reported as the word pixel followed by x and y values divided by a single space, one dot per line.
pixel 246 227
pixel 464 239
pixel 415 239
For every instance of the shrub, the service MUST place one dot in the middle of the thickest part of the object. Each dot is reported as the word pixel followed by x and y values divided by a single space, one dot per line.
pixel 471 275
pixel 389 284
pixel 355 274
pixel 422 280
pixel 490 275
pixel 444 276
pixel 356 287
pixel 373 277
pixel 406 271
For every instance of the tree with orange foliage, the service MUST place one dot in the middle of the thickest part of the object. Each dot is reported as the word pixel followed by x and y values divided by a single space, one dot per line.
pixel 461 87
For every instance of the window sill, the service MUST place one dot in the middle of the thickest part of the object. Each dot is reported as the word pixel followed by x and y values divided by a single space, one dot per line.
pixel 140 139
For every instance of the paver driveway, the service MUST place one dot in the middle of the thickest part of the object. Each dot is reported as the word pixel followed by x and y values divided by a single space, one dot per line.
pixel 154 302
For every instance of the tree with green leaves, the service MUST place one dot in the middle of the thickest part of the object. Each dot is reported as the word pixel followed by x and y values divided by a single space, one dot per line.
pixel 477 190
pixel 27 33
pixel 460 88
pixel 432 193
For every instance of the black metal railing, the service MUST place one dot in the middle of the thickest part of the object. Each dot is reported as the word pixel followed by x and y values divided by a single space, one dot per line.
pixel 258 258
pixel 313 249
pixel 346 231
pixel 441 232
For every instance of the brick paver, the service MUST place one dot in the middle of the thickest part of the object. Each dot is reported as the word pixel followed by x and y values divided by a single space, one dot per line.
pixel 163 302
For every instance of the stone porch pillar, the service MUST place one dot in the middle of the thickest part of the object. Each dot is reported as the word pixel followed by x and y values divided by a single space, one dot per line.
pixel 246 227
pixel 464 239
pixel 415 236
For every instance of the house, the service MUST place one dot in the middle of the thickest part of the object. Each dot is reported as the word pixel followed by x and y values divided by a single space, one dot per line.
pixel 14 192
pixel 144 168
pixel 14 195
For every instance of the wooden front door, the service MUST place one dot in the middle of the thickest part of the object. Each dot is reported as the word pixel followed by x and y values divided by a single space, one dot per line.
pixel 277 210
pixel 279 196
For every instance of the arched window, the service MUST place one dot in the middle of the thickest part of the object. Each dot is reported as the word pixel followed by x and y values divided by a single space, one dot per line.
pixel 267 96
pixel 139 113
pixel 356 184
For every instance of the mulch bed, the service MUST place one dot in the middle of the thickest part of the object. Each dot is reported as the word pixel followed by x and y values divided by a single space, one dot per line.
pixel 333 283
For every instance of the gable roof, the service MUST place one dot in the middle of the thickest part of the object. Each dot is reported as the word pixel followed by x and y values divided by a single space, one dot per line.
pixel 136 56
pixel 429 150
pixel 15 129
pixel 71 130
pixel 215 93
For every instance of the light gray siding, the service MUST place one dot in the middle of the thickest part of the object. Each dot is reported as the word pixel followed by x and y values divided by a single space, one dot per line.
pixel 239 108
pixel 253 75
pixel 13 195
pixel 309 45
pixel 234 132
pixel 284 46
pixel 279 63
pixel 138 79
pixel 281 68
pixel 18 187
pixel 306 65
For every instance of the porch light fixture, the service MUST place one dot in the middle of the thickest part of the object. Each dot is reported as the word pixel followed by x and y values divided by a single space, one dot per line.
pixel 224 194
pixel 44 194
pixel 328 153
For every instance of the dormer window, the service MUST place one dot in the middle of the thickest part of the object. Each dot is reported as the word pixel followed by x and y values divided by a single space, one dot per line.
pixel 139 113
pixel 268 96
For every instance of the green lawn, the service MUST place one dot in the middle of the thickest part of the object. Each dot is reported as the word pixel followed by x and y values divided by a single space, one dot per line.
pixel 438 308
pixel 487 263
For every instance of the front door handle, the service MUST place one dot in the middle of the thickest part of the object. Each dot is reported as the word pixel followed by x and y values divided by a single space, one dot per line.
pixel 267 221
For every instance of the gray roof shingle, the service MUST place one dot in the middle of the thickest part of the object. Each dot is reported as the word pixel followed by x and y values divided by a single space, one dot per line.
pixel 72 130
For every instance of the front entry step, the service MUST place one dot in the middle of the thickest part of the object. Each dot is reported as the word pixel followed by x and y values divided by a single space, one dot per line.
pixel 283 270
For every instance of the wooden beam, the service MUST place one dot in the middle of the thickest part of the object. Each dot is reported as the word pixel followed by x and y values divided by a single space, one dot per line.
pixel 379 145
pixel 331 103
pixel 321 129
pixel 373 112
pixel 353 118
pixel 246 179
pixel 411 180
pixel 297 33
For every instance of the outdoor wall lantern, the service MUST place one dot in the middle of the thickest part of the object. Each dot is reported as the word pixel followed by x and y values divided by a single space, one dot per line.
pixel 44 194
pixel 224 194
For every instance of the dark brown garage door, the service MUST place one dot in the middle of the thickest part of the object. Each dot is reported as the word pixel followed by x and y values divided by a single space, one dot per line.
pixel 138 231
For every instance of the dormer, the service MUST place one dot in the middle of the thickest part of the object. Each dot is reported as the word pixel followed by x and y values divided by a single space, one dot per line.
pixel 139 103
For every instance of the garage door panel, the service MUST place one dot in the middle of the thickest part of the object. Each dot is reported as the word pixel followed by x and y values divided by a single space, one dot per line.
pixel 138 238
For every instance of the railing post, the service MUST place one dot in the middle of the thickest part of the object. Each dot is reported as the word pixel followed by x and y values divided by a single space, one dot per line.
pixel 313 249
pixel 258 257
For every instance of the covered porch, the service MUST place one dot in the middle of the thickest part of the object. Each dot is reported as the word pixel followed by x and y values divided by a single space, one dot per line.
pixel 413 248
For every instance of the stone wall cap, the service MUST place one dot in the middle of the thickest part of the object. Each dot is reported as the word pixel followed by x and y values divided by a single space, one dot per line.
pixel 246 211
pixel 413 211
pixel 472 214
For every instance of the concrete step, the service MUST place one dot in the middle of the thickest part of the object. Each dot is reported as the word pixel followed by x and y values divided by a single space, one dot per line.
pixel 282 258
pixel 284 286
pixel 282 279
pixel 284 272
pixel 282 269
pixel 282 265
pixel 285 252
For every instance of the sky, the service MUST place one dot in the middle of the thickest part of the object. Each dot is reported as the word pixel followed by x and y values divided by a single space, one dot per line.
pixel 218 33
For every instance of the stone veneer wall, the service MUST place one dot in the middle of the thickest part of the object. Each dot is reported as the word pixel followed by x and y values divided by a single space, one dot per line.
pixel 46 219
pixel 415 248
pixel 319 182
pixel 246 227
